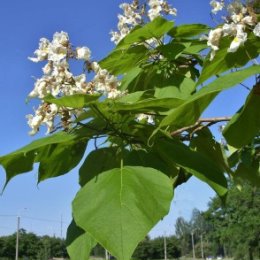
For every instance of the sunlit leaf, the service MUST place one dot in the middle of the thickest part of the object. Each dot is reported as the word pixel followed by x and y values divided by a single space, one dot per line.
pixel 120 207
pixel 189 112
pixel 188 30
pixel 155 29
pixel 121 61
pixel 73 101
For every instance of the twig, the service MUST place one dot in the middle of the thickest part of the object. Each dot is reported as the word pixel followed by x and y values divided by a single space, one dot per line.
pixel 210 121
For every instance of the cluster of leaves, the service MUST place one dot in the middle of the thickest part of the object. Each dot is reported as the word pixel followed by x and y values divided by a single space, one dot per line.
pixel 127 184
pixel 32 247
pixel 219 229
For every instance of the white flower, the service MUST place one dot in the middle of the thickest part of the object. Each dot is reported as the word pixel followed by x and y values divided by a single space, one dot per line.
pixel 34 122
pixel 248 20
pixel 236 18
pixel 154 12
pixel 214 38
pixel 40 88
pixel 60 38
pixel 57 52
pixel 42 52
pixel 114 93
pixel 47 69
pixel 229 29
pixel 173 11
pixel 145 118
pixel 256 30
pixel 239 40
pixel 217 6
pixel 83 53
pixel 80 82
pixel 213 41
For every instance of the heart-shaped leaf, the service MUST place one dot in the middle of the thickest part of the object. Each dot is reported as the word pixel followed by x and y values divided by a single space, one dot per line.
pixel 121 206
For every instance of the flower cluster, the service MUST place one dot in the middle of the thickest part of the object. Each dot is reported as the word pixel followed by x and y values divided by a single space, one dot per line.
pixel 137 13
pixel 240 19
pixel 58 81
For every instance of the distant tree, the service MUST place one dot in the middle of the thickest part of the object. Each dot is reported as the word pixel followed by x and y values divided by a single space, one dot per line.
pixel 32 247
pixel 173 248
pixel 236 226
pixel 183 231
pixel 143 250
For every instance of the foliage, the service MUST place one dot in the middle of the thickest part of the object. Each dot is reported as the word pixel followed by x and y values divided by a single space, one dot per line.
pixel 32 247
pixel 148 116
pixel 229 230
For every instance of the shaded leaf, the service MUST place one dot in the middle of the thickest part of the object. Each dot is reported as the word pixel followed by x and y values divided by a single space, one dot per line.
pixel 173 50
pixel 195 163
pixel 58 159
pixel 206 144
pixel 79 243
pixel 248 173
pixel 151 159
pixel 245 124
pixel 91 167
pixel 22 160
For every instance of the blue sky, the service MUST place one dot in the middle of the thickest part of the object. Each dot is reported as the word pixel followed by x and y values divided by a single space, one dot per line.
pixel 22 24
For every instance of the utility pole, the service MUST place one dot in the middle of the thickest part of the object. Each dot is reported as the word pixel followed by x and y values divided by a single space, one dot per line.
pixel 61 226
pixel 107 255
pixel 202 247
pixel 193 249
pixel 17 239
pixel 165 246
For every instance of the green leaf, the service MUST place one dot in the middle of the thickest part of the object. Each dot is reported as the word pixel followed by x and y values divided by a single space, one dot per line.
pixel 23 159
pixel 189 112
pixel 151 159
pixel 248 173
pixel 121 61
pixel 129 77
pixel 183 91
pixel 154 76
pixel 188 30
pixel 84 115
pixel 58 159
pixel 132 97
pixel 90 168
pixel 196 47
pixel 73 101
pixel 121 206
pixel 194 162
pixel 245 124
pixel 79 243
pixel 205 143
pixel 157 104
pixel 173 50
pixel 155 29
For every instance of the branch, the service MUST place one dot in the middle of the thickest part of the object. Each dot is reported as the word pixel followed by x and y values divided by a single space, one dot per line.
pixel 198 125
